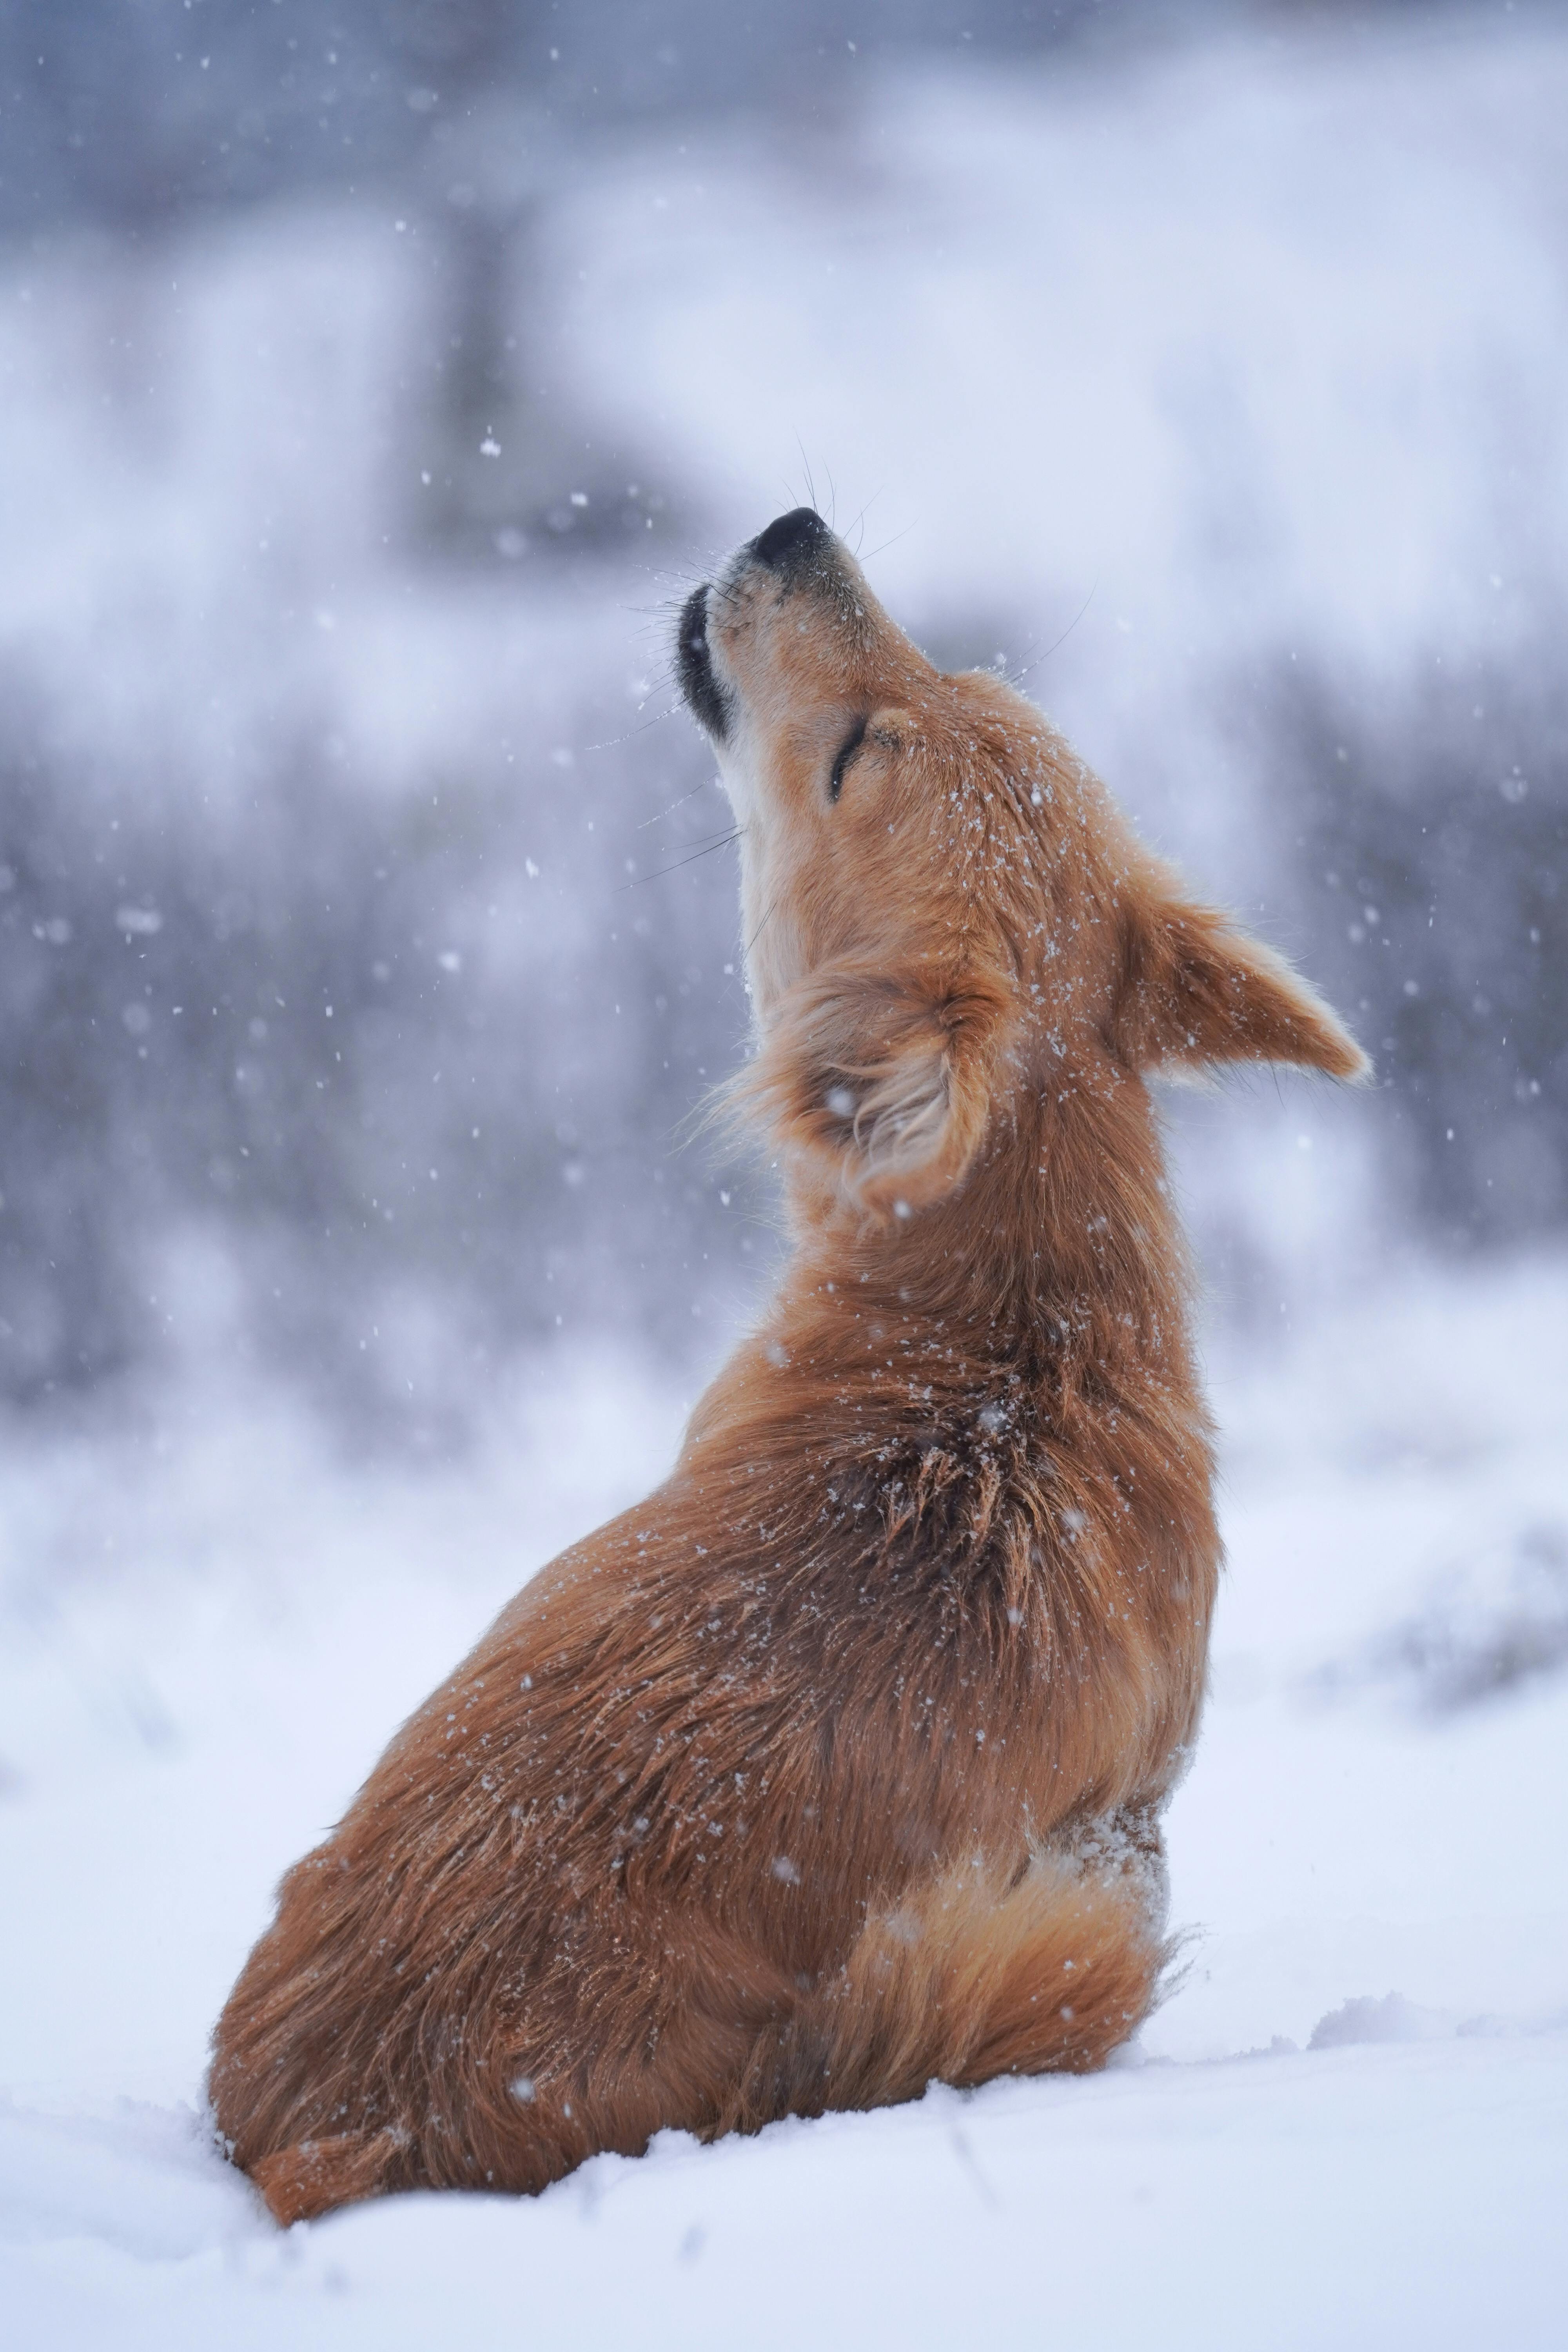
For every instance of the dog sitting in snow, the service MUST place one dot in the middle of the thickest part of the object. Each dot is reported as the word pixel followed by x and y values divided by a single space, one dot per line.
pixel 837 1765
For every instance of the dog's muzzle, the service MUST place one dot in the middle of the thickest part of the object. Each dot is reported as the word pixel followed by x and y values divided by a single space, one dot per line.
pixel 798 549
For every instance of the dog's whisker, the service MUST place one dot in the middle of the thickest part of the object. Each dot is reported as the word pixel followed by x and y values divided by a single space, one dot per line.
pixel 612 742
pixel 723 842
pixel 883 545
pixel 858 525
pixel 762 926
pixel 705 785
pixel 1057 642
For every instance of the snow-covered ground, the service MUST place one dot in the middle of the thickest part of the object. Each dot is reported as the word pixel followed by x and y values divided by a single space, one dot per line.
pixel 1348 2125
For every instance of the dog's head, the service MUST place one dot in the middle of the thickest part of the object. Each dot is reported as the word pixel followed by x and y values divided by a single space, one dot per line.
pixel 941 903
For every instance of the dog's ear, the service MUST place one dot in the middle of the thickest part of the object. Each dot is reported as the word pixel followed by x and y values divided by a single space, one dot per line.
pixel 882 1083
pixel 1195 989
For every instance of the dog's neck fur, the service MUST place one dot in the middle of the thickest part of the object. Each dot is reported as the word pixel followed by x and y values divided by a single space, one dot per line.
pixel 1055 1279
pixel 1062 1227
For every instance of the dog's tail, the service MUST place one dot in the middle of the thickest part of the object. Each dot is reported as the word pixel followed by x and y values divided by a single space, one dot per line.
pixel 967 1980
pixel 970 1977
pixel 302 2182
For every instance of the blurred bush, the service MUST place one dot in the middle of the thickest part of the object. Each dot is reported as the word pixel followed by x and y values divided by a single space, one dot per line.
pixel 137 112
pixel 1431 886
pixel 408 1073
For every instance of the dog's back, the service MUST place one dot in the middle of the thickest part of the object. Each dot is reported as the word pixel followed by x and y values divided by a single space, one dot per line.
pixel 837 1765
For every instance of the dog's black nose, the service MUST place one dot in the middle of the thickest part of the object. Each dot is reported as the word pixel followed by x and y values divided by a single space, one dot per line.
pixel 792 541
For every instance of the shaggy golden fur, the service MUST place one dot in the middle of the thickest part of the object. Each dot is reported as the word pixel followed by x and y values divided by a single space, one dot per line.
pixel 835 1766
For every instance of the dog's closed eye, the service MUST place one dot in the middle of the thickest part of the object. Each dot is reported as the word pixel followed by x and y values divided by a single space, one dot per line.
pixel 846 751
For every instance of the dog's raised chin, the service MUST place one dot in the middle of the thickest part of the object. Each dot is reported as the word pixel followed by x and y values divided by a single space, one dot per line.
pixel 800 679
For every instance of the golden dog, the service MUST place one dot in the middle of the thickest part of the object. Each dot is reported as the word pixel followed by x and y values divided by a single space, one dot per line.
pixel 837 1765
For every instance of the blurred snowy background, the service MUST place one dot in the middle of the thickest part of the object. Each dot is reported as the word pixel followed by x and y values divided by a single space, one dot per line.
pixel 375 375
pixel 373 379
